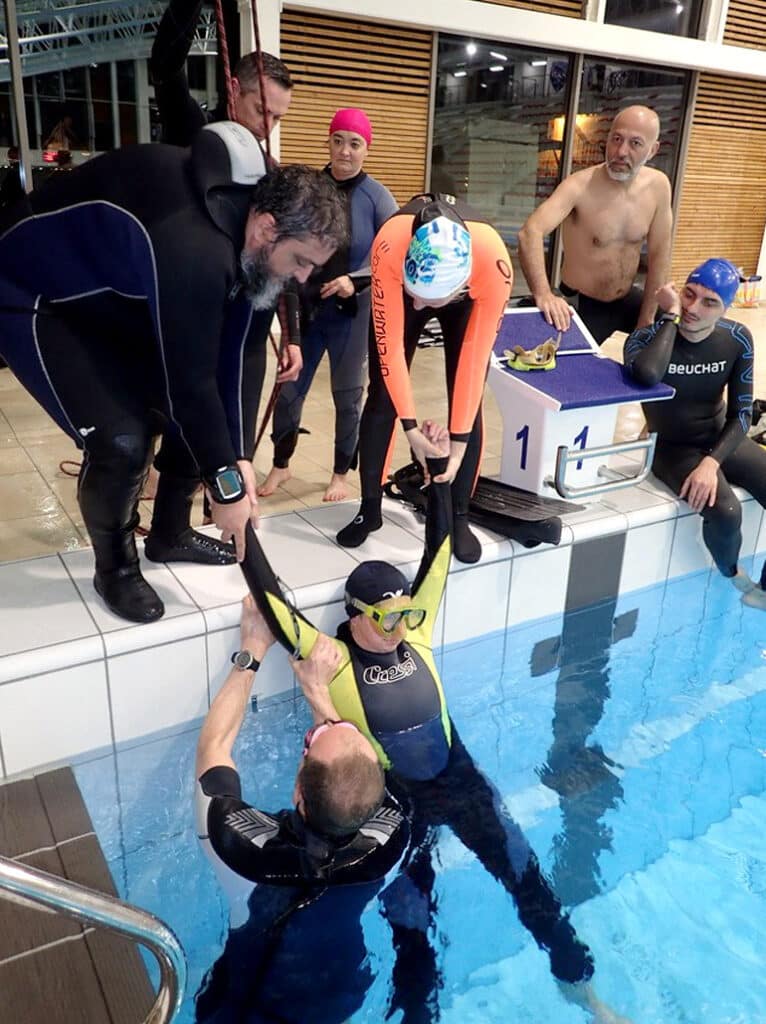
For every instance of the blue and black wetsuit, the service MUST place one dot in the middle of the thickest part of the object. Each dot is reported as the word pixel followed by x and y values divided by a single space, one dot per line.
pixel 337 326
pixel 277 964
pixel 397 700
pixel 119 334
pixel 700 421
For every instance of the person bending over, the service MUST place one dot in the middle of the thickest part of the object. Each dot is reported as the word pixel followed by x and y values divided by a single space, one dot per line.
pixel 111 319
pixel 435 258
pixel 382 677
pixel 288 874
pixel 608 212
pixel 702 445
pixel 336 310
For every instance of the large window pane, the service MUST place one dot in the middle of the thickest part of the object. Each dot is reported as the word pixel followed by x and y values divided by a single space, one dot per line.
pixel 495 140
pixel 674 17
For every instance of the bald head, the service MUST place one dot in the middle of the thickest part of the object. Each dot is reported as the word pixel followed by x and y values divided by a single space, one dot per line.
pixel 633 139
pixel 639 118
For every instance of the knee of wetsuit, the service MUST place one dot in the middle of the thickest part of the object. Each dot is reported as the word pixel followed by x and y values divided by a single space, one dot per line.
pixel 726 517
pixel 127 450
pixel 571 960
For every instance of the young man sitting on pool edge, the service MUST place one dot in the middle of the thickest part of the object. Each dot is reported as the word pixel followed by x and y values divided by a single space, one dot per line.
pixel 380 674
pixel 702 444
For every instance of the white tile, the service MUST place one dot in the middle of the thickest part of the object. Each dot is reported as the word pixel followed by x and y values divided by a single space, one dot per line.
pixel 476 601
pixel 40 606
pixel 539 584
pixel 54 717
pixel 400 539
pixel 752 515
pixel 602 522
pixel 647 555
pixel 300 554
pixel 689 552
pixel 210 586
pixel 273 677
pixel 42 660
pixel 158 687
pixel 181 619
pixel 636 498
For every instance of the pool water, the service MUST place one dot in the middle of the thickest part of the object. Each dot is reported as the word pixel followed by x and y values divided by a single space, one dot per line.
pixel 628 741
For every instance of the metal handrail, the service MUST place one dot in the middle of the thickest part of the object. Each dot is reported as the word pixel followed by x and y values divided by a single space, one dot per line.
pixel 564 457
pixel 83 904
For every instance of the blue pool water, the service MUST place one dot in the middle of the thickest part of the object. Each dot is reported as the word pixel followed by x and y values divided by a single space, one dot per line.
pixel 629 742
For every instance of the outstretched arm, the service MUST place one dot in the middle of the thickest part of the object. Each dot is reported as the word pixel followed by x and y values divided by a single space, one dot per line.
pixel 180 114
pixel 227 712
pixel 314 675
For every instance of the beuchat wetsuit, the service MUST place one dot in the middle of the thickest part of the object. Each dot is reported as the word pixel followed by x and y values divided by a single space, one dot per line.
pixel 397 701
pixel 119 331
pixel 182 119
pixel 698 421
pixel 277 964
pixel 337 326
pixel 469 327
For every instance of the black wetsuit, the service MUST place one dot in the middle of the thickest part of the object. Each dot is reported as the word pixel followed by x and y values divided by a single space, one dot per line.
pixel 278 965
pixel 111 319
pixel 602 318
pixel 699 421
pixel 396 699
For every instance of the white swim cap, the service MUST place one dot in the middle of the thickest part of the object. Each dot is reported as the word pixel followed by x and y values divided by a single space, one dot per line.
pixel 247 159
pixel 438 260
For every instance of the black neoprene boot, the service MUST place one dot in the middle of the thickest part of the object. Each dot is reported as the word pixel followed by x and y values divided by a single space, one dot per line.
pixel 465 544
pixel 365 522
pixel 171 538
pixel 108 496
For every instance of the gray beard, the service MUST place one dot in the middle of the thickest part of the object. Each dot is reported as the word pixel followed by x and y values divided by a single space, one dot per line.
pixel 261 286
pixel 620 175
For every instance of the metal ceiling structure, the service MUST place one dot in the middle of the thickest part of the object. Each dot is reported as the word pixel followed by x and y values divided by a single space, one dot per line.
pixel 55 35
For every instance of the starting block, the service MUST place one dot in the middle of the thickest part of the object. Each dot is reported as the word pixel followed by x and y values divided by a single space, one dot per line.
pixel 559 423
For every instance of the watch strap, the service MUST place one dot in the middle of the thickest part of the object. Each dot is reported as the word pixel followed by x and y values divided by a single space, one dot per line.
pixel 245 661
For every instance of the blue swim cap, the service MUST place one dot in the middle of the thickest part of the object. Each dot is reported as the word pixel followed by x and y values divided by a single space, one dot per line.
pixel 720 276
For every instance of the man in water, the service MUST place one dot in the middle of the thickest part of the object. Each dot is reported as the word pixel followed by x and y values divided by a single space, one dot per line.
pixel 608 212
pixel 380 674
pixel 703 448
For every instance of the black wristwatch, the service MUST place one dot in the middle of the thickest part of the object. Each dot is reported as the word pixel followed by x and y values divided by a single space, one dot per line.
pixel 226 485
pixel 244 660
pixel 670 318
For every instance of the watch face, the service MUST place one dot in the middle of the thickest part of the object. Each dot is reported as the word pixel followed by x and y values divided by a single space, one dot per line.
pixel 243 659
pixel 229 483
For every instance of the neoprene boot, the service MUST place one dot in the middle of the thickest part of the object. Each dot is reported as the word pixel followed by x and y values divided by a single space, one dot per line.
pixel 364 523
pixel 171 538
pixel 108 496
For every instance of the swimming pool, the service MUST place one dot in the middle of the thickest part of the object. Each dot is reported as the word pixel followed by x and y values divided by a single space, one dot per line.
pixel 628 740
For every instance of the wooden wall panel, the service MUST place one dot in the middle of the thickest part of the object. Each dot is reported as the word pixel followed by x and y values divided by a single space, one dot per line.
pixel 723 203
pixel 744 24
pixel 566 8
pixel 339 62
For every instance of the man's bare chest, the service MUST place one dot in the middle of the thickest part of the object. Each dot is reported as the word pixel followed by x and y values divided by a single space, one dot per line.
pixel 605 221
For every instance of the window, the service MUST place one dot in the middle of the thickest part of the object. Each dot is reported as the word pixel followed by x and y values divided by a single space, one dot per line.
pixel 674 17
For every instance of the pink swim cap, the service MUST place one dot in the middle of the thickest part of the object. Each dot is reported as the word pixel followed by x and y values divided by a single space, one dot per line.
pixel 352 119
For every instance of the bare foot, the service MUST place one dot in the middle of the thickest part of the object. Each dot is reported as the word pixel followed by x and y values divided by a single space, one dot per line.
pixel 337 489
pixel 150 485
pixel 275 479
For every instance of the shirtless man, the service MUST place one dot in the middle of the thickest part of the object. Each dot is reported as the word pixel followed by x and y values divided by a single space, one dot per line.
pixel 607 212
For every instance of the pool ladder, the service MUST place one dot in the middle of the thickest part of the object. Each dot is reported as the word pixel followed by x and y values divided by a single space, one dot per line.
pixel 24 883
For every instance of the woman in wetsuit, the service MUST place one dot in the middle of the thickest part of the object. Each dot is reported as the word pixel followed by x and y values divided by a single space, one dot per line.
pixel 435 258
pixel 702 446
pixel 336 310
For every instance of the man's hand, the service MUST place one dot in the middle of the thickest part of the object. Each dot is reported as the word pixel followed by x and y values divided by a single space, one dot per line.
pixel 254 633
pixel 700 488
pixel 231 519
pixel 555 309
pixel 290 365
pixel 315 673
pixel 341 286
pixel 668 299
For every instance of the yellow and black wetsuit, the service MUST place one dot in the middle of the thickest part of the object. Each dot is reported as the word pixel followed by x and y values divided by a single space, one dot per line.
pixel 398 702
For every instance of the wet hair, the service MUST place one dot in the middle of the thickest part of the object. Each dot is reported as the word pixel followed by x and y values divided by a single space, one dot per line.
pixel 339 797
pixel 304 203
pixel 246 71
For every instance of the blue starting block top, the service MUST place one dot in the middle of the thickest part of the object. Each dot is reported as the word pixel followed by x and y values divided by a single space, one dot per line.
pixel 581 378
